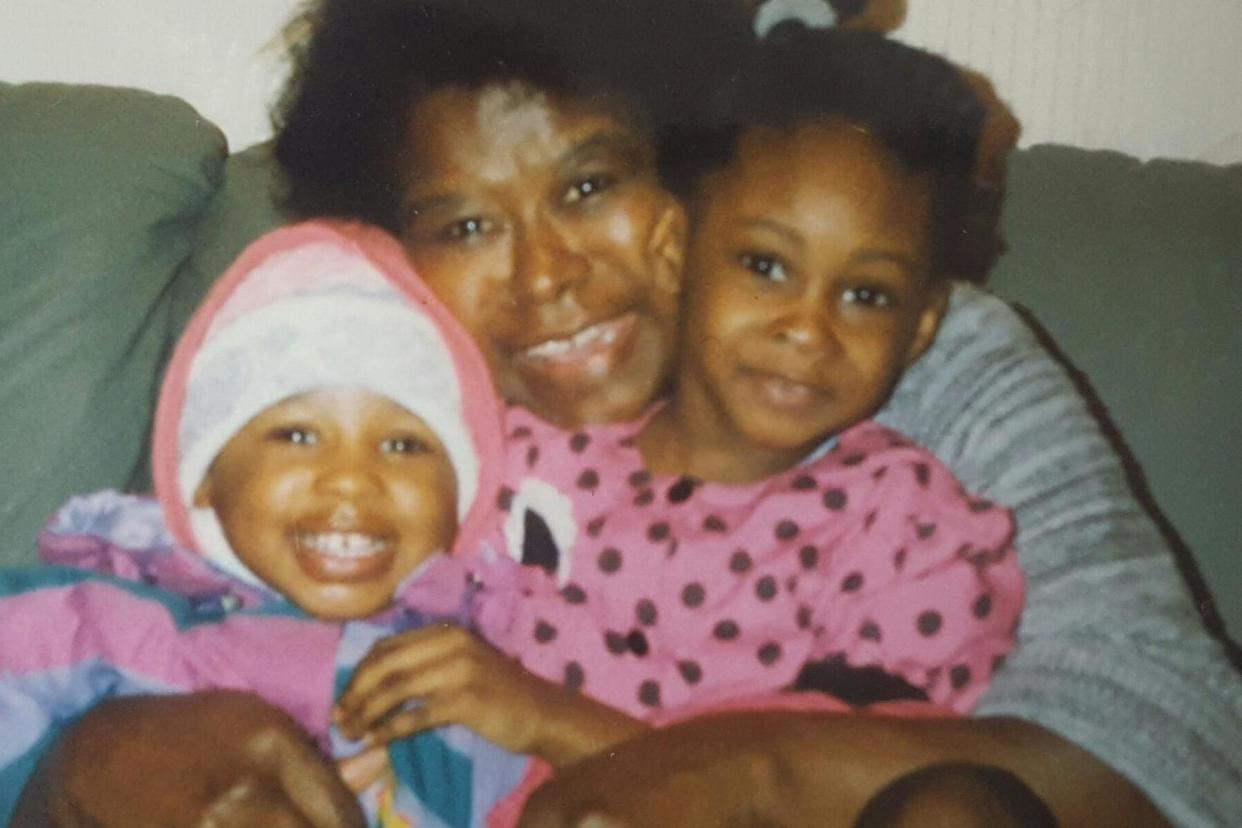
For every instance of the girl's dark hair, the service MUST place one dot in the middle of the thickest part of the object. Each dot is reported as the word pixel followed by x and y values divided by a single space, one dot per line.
pixel 342 120
pixel 915 102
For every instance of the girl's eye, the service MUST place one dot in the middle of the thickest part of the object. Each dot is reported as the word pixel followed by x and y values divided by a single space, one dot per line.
pixel 463 229
pixel 585 188
pixel 869 297
pixel 765 266
pixel 405 444
pixel 296 435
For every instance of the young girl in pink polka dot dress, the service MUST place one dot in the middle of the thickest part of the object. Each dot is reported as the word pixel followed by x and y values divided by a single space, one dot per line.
pixel 697 556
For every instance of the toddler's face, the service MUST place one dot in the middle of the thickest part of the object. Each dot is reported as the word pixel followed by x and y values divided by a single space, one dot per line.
pixel 809 284
pixel 333 497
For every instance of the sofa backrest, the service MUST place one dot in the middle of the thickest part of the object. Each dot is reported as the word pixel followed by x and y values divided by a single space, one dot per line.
pixel 1135 270
pixel 101 192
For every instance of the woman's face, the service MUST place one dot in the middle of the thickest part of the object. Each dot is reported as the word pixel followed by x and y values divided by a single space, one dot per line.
pixel 539 221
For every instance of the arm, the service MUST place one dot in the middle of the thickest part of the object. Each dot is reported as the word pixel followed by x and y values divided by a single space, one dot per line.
pixel 219 758
pixel 798 769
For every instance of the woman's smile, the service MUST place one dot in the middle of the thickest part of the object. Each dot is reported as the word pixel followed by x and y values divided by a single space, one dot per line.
pixel 591 352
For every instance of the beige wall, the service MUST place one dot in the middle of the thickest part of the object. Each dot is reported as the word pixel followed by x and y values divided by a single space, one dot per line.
pixel 1149 77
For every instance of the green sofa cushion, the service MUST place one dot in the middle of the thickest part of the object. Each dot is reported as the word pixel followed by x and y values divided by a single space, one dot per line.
pixel 1136 271
pixel 100 193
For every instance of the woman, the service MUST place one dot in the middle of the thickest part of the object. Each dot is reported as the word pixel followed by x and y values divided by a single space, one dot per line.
pixel 534 210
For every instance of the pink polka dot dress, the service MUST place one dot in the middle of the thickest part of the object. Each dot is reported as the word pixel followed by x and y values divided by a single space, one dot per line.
pixel 867 574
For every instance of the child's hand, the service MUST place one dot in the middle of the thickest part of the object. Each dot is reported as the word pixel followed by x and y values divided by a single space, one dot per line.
pixel 362 770
pixel 458 679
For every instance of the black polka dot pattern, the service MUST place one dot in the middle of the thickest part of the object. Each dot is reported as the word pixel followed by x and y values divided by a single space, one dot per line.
pixel 982 607
pixel 637 643
pixel 682 490
pixel 657 532
pixel 803 483
pixel 574 594
pixel 579 442
pixel 649 694
pixel 504 499
pixel 786 530
pixel 532 456
pixel 899 559
pixel 852 582
pixel 808 556
pixel 959 676
pixel 870 631
pixel 929 623
pixel 644 498
pixel 596 526
pixel 713 523
pixel 588 481
pixel 853 459
pixel 835 499
pixel 765 588
pixel 545 633
pixel 804 617
pixel 615 643
pixel 639 479
pixel 690 671
pixel 520 433
pixel 574 677
pixel 609 561
pixel 925 530
pixel 645 611
pixel 769 654
pixel 922 474
pixel 726 630
pixel 693 595
pixel 740 562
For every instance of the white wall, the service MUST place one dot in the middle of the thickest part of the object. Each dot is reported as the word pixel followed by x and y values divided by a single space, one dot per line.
pixel 1148 77
pixel 210 52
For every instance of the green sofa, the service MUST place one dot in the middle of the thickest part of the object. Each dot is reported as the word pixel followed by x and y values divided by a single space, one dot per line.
pixel 119 207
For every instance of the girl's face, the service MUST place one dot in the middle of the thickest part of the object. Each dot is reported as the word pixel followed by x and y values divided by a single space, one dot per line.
pixel 332 498
pixel 809 286
pixel 539 221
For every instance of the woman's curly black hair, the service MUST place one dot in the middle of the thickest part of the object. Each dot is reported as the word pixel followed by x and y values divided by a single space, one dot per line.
pixel 918 104
pixel 342 119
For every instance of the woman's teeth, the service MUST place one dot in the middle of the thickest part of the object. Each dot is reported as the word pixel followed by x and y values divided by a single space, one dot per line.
pixel 343 544
pixel 602 334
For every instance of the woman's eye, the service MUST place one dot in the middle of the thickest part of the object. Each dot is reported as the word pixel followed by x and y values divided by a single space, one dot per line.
pixel 869 297
pixel 587 187
pixel 406 444
pixel 764 265
pixel 463 229
pixel 296 435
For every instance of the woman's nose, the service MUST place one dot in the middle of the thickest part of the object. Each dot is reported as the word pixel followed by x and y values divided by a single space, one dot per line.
pixel 545 263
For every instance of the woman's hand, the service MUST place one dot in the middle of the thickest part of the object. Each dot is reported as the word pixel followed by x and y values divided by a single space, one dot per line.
pixel 218 758
pixel 455 678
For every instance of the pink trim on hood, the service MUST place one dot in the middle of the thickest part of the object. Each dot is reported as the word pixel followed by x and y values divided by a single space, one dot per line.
pixel 480 405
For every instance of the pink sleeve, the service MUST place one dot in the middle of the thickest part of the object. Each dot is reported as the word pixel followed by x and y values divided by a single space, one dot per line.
pixel 930 587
